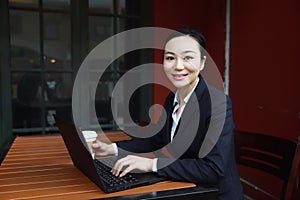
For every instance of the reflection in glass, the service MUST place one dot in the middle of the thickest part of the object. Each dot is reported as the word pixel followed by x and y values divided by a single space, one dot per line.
pixel 24 29
pixel 58 92
pixel 25 4
pixel 26 99
pixel 121 9
pixel 103 6
pixel 42 75
pixel 31 91
pixel 58 87
pixel 56 4
pixel 100 28
pixel 121 24
pixel 57 41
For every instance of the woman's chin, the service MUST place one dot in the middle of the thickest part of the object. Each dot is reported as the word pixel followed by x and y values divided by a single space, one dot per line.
pixel 179 85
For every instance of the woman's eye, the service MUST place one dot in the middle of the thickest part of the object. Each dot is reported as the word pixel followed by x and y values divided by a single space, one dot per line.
pixel 169 58
pixel 188 58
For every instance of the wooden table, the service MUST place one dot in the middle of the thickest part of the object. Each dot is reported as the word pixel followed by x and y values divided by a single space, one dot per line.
pixel 39 167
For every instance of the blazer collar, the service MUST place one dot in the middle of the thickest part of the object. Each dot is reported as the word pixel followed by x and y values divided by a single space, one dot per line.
pixel 200 89
pixel 190 109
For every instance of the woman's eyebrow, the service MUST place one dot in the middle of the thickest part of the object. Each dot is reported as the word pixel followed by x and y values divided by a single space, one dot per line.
pixel 169 52
pixel 188 51
pixel 184 52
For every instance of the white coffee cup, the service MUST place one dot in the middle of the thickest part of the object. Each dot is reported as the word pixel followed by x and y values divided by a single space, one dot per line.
pixel 90 136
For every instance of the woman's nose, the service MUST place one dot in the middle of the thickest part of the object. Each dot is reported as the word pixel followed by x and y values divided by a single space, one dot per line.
pixel 179 64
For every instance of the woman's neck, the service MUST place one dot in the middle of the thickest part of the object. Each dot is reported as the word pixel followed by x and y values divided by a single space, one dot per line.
pixel 184 91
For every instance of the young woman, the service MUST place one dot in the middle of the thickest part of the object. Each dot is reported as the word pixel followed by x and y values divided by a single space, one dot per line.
pixel 189 119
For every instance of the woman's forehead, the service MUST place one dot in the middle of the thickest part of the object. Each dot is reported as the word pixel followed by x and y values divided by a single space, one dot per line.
pixel 182 44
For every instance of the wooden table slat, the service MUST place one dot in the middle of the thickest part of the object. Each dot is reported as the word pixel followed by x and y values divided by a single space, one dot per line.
pixel 39 167
pixel 66 175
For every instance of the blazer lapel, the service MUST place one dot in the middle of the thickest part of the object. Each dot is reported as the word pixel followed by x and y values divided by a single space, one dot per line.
pixel 169 120
pixel 188 113
pixel 189 121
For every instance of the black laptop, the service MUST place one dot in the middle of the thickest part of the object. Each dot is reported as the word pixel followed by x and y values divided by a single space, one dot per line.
pixel 96 170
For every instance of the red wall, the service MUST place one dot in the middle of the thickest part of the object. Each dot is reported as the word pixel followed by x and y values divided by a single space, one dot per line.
pixel 265 66
pixel 264 57
pixel 205 16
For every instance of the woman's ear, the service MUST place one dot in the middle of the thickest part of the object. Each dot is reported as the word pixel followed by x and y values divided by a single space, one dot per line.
pixel 202 63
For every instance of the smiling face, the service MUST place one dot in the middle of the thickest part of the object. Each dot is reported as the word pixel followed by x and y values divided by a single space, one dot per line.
pixel 182 62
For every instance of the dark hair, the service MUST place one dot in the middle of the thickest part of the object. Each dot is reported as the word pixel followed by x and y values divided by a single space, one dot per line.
pixel 194 34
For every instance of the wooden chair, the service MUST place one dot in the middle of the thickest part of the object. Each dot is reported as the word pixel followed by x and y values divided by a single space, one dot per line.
pixel 268 166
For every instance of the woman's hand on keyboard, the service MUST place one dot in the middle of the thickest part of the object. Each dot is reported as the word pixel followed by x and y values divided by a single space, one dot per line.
pixel 130 163
pixel 103 149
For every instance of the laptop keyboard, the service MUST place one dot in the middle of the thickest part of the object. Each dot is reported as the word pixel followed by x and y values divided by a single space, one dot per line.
pixel 104 170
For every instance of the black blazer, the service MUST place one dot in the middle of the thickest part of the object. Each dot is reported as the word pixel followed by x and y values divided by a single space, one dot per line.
pixel 180 160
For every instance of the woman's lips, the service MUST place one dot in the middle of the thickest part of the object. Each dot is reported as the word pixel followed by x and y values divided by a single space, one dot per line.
pixel 179 76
